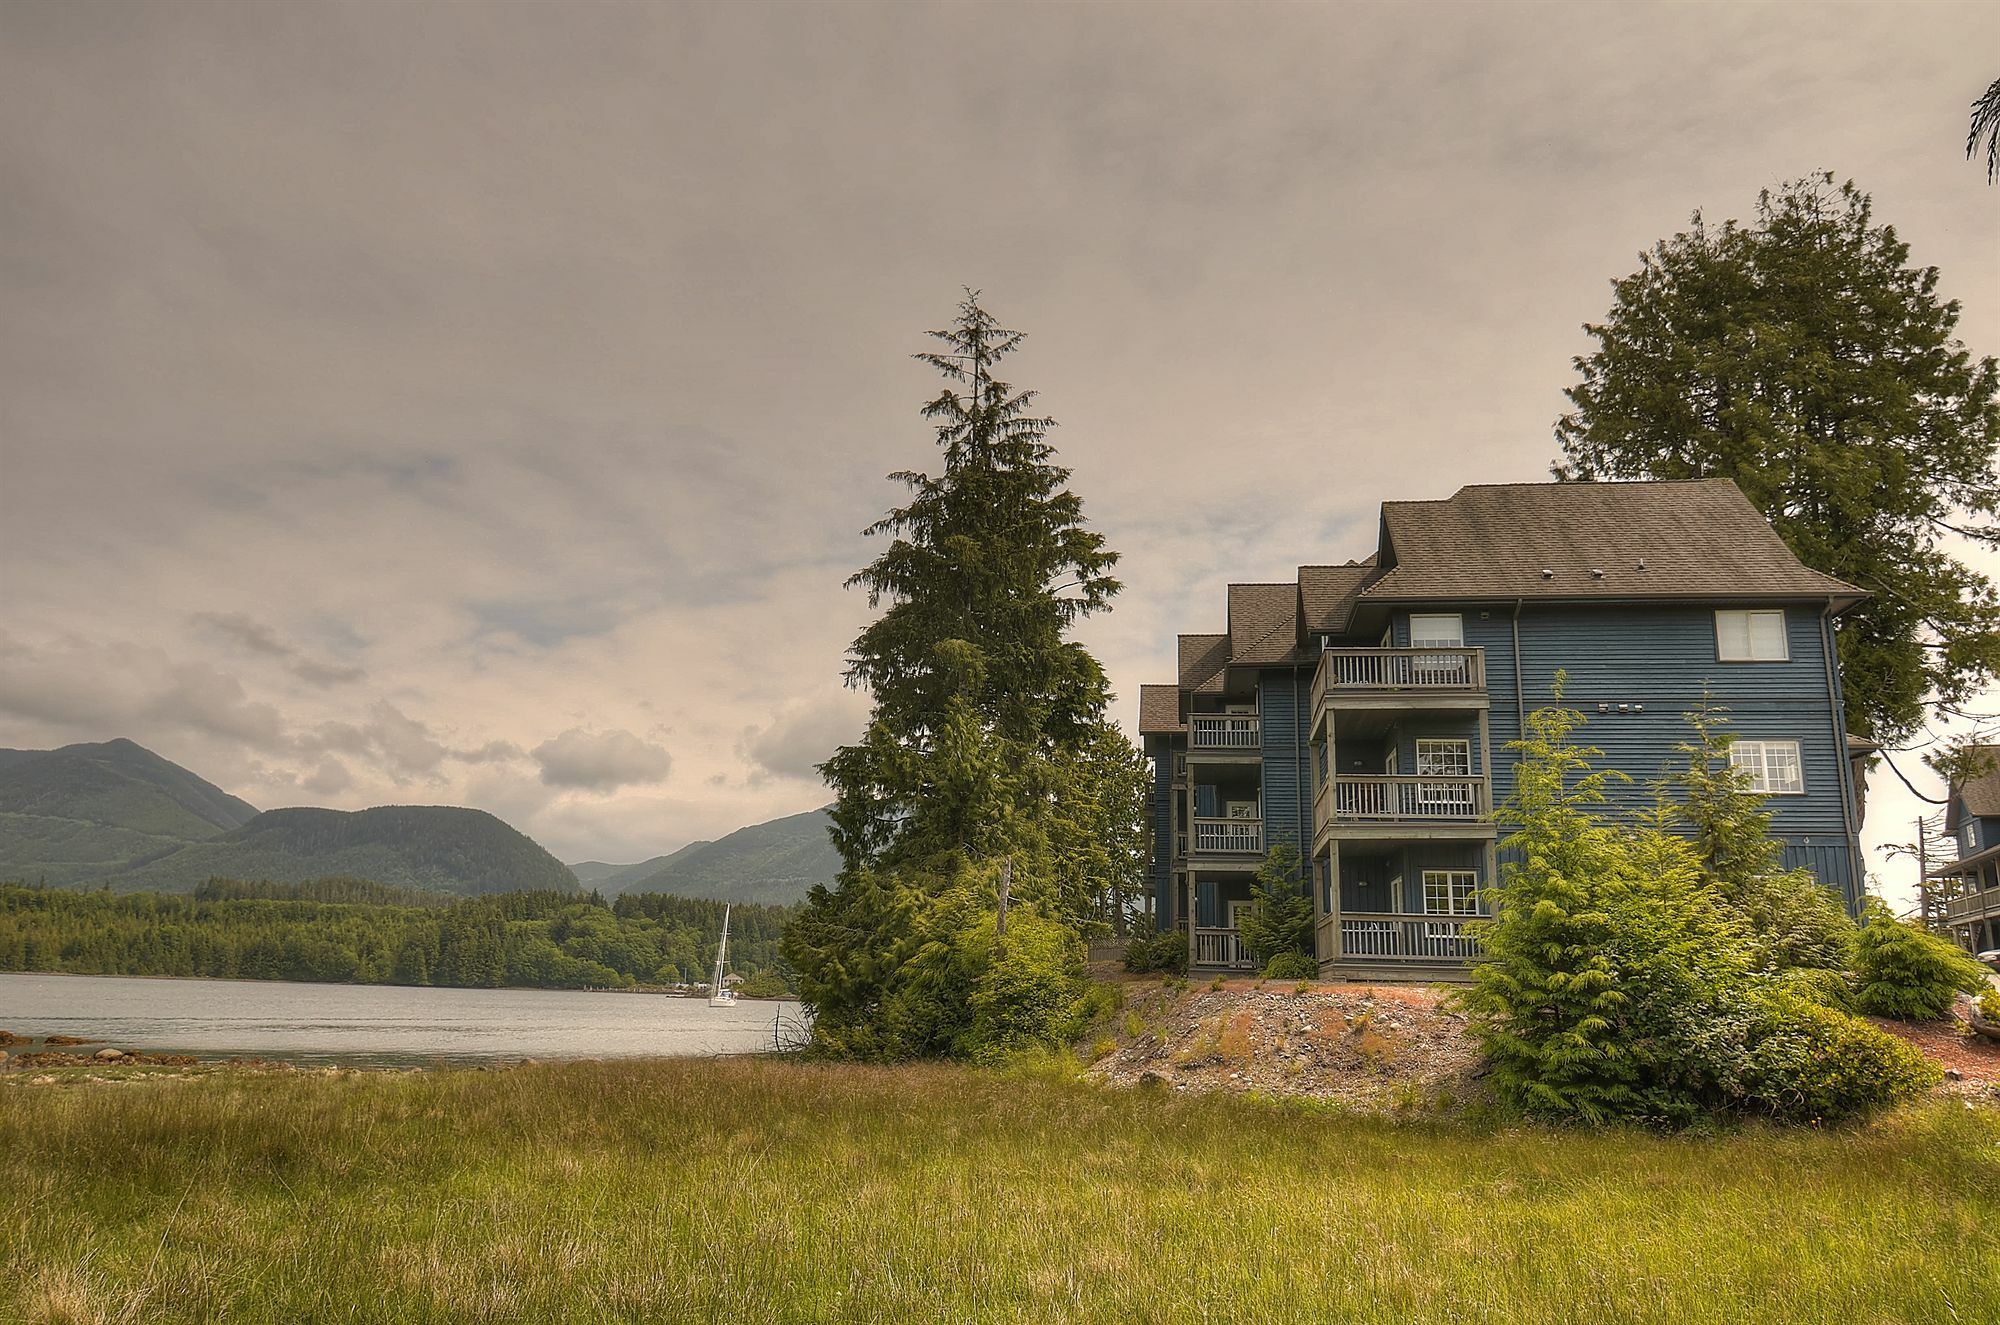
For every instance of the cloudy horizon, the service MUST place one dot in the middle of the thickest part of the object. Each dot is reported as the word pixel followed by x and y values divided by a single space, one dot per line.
pixel 480 406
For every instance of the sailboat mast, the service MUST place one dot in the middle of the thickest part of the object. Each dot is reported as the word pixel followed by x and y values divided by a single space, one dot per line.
pixel 721 953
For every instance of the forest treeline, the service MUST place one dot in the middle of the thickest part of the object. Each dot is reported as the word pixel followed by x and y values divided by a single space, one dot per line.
pixel 350 931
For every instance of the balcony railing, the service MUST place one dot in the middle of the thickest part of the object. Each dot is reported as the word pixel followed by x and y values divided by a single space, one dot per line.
pixel 1180 846
pixel 1406 938
pixel 1974 905
pixel 1221 947
pixel 1222 731
pixel 1389 799
pixel 1347 670
pixel 1226 835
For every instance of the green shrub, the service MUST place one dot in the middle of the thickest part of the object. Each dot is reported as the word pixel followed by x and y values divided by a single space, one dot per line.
pixel 1829 989
pixel 1989 1007
pixel 1291 966
pixel 1810 1063
pixel 1028 991
pixel 1164 951
pixel 1621 983
pixel 1903 971
pixel 766 983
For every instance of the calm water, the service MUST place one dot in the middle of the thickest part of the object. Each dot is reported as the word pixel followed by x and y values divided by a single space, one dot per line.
pixel 376 1023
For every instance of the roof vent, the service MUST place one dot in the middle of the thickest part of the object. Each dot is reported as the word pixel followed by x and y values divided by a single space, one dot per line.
pixel 1596 574
pixel 1642 563
pixel 1548 575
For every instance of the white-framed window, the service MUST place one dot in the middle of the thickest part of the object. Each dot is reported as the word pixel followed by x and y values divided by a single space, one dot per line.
pixel 1443 758
pixel 1240 810
pixel 1774 766
pixel 1437 631
pixel 1389 762
pixel 1450 892
pixel 1751 637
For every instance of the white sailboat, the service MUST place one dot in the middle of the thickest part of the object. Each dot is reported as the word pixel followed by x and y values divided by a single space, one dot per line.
pixel 719 994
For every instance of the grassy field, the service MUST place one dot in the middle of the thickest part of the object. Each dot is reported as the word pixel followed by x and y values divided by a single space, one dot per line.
pixel 768 1191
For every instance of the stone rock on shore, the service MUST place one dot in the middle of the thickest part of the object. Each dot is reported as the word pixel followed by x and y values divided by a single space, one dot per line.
pixel 109 1055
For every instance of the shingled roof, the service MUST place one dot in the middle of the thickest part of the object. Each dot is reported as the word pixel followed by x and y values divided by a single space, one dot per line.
pixel 1263 622
pixel 1160 710
pixel 1202 659
pixel 1327 593
pixel 1980 797
pixel 1698 538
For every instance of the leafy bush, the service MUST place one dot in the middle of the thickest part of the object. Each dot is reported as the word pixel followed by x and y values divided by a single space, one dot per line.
pixel 1291 966
pixel 1810 1063
pixel 1829 989
pixel 1621 984
pixel 1164 951
pixel 1904 971
pixel 1989 1007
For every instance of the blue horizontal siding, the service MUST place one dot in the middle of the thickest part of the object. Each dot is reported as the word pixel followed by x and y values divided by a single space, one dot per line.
pixel 1663 658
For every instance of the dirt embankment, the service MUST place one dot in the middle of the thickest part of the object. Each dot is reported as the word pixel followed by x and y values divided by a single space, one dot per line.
pixel 1381 1048
pixel 1372 1047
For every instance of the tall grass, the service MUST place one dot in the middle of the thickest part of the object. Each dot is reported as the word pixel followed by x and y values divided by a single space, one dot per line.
pixel 768 1191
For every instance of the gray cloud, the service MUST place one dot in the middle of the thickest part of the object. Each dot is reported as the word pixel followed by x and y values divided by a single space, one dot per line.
pixel 329 778
pixel 553 386
pixel 256 637
pixel 601 761
pixel 803 734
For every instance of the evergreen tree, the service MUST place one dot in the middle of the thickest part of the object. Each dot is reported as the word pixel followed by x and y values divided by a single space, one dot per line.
pixel 987 752
pixel 1280 918
pixel 1803 358
pixel 1794 922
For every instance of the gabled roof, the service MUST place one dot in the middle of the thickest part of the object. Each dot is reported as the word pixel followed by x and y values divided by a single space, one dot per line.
pixel 1980 797
pixel 1263 622
pixel 1327 594
pixel 1160 710
pixel 1202 659
pixel 1697 538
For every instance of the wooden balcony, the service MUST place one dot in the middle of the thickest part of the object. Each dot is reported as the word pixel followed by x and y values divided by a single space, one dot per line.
pixel 1228 837
pixel 1419 939
pixel 1410 680
pixel 1356 670
pixel 1220 948
pixel 1382 798
pixel 1978 905
pixel 1222 731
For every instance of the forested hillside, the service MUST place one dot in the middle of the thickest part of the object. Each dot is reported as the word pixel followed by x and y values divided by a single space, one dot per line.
pixel 318 931
pixel 417 846
pixel 79 813
pixel 774 863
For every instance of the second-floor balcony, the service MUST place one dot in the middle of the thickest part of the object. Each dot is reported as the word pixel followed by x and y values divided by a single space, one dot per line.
pixel 1222 731
pixel 1387 798
pixel 1228 836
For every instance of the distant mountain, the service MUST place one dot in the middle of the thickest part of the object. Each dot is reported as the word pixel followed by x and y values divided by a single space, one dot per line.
pixel 614 879
pixel 117 813
pixel 75 814
pixel 772 863
pixel 440 847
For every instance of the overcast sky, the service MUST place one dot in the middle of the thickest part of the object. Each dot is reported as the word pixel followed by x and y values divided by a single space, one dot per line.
pixel 480 404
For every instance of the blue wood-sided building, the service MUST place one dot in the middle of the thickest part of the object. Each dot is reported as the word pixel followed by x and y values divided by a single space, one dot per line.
pixel 1972 818
pixel 1363 712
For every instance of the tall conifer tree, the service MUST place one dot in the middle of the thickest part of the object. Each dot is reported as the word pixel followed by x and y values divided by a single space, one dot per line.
pixel 988 740
pixel 1803 357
